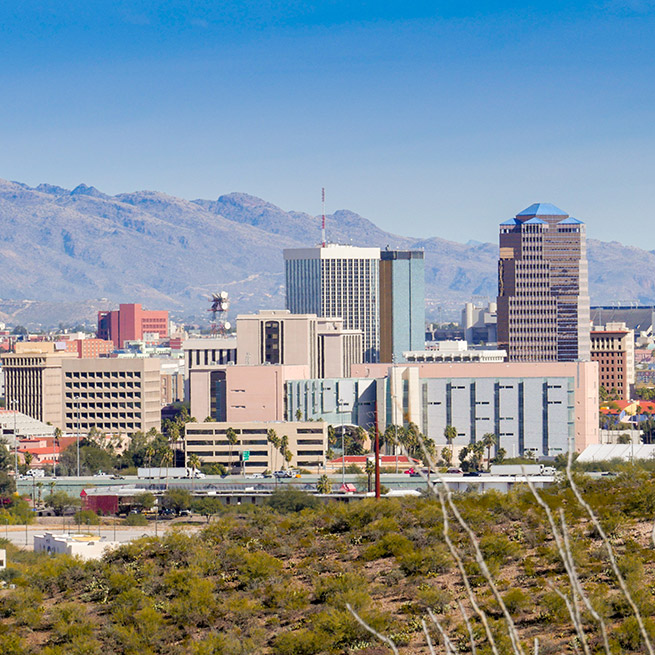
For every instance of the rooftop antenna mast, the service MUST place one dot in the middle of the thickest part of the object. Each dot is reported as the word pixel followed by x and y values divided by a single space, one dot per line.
pixel 323 223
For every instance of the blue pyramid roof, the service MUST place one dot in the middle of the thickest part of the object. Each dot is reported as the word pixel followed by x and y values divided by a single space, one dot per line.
pixel 511 221
pixel 535 221
pixel 542 209
pixel 571 221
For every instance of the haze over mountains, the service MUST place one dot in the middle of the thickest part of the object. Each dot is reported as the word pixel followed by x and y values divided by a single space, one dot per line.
pixel 64 254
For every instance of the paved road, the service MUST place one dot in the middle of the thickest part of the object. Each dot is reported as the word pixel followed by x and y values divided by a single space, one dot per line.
pixel 23 538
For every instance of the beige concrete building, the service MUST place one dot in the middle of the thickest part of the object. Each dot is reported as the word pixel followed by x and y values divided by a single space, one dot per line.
pixel 613 347
pixel 241 393
pixel 307 444
pixel 33 380
pixel 280 337
pixel 112 395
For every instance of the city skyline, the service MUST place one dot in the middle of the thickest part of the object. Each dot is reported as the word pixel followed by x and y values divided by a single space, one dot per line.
pixel 438 119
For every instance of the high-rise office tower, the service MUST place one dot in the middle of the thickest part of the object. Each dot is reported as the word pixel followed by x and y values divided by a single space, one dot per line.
pixel 338 281
pixel 402 303
pixel 543 293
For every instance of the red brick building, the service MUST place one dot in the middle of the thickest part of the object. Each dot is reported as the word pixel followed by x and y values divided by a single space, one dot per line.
pixel 130 322
pixel 89 348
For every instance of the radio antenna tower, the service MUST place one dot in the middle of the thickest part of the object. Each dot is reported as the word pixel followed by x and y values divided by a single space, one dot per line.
pixel 323 223
pixel 219 305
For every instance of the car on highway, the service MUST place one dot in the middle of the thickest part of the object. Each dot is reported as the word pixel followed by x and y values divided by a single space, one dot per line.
pixel 413 473
pixel 283 474
pixel 454 470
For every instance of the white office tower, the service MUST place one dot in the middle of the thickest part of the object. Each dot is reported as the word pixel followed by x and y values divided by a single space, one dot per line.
pixel 338 281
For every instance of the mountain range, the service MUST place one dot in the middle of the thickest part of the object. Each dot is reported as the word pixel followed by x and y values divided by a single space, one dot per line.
pixel 64 254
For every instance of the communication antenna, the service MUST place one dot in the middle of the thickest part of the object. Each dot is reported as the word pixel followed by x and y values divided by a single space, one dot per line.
pixel 323 223
pixel 220 304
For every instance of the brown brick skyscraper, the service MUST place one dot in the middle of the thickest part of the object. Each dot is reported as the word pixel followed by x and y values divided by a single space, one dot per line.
pixel 543 289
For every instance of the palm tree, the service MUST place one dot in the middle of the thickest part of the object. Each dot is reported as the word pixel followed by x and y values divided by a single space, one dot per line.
pixel 288 456
pixel 194 462
pixel 150 453
pixel 273 440
pixel 450 433
pixel 232 440
pixel 39 487
pixel 55 445
pixel 478 453
pixel 391 437
pixel 167 460
pixel 369 469
pixel 324 485
pixel 299 414
pixel 284 442
pixel 447 455
pixel 489 440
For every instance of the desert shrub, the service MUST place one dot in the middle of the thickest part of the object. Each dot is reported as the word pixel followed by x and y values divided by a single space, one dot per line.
pixel 9 574
pixel 388 546
pixel 239 608
pixel 628 635
pixel 256 567
pixel 298 642
pixel 24 606
pixel 87 517
pixel 337 590
pixel 70 622
pixel 427 561
pixel 340 632
pixel 291 500
pixel 11 642
pixel 59 573
pixel 227 643
pixel 553 608
pixel 435 598
pixel 497 547
pixel 136 520
pixel 516 600
pixel 195 607
pixel 285 596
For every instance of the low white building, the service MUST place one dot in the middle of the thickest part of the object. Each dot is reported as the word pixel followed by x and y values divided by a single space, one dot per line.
pixel 626 452
pixel 454 351
pixel 85 546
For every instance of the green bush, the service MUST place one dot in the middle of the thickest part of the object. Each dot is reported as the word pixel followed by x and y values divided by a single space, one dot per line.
pixel 87 517
pixel 291 500
pixel 299 642
pixel 70 622
pixel 427 561
pixel 136 519
pixel 389 545
pixel 516 600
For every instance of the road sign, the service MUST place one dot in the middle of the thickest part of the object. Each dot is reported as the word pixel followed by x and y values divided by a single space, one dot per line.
pixel 245 455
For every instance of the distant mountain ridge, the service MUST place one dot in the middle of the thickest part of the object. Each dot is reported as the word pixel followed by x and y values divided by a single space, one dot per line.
pixel 70 252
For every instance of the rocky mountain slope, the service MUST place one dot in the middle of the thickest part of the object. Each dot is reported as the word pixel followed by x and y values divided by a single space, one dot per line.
pixel 64 254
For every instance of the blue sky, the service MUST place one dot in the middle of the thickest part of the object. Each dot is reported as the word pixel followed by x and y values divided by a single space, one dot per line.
pixel 434 119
